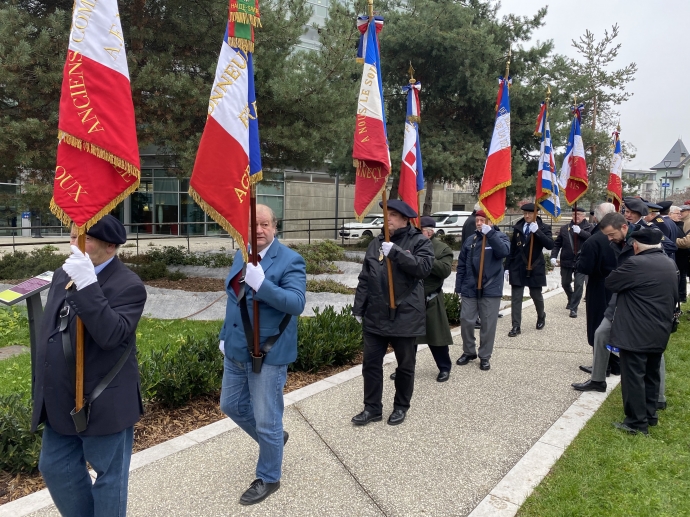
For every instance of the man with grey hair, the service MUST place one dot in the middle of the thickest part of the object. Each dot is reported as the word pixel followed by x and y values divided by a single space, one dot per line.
pixel 647 289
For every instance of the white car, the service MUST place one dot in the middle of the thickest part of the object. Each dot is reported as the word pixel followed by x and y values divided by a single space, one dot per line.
pixel 450 222
pixel 371 226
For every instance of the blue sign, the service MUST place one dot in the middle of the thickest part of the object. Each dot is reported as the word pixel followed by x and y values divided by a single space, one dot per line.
pixel 665 185
pixel 26 215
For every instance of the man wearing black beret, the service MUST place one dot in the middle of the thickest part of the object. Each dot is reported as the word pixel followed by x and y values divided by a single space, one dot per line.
pixel 647 294
pixel 644 214
pixel 411 256
pixel 109 299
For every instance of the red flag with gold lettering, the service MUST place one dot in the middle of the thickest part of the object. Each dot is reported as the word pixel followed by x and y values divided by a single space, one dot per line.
pixel 98 155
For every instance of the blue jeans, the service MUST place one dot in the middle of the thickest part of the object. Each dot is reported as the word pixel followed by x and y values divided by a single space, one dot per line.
pixel 63 466
pixel 254 401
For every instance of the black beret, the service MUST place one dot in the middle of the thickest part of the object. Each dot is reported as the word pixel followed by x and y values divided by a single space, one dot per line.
pixel 579 209
pixel 652 206
pixel 635 204
pixel 665 205
pixel 427 222
pixel 647 236
pixel 109 229
pixel 528 207
pixel 399 206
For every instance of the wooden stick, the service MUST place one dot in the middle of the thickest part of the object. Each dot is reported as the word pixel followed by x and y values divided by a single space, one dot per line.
pixel 575 234
pixel 79 352
pixel 255 261
pixel 386 234
pixel 481 267
pixel 531 245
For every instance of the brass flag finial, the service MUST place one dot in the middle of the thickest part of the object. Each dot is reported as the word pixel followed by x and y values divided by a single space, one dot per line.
pixel 411 72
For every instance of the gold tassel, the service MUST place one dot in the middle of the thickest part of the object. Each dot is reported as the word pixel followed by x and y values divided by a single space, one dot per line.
pixel 245 18
pixel 241 43
pixel 256 177
pixel 414 118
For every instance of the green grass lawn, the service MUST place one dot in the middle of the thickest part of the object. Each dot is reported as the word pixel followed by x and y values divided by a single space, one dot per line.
pixel 607 473
pixel 14 326
pixel 15 373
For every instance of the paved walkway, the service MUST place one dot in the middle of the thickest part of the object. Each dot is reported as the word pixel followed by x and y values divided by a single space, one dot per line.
pixel 474 445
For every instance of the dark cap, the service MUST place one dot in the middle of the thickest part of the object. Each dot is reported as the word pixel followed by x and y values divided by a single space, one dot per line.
pixel 578 209
pixel 635 204
pixel 109 229
pixel 427 222
pixel 653 207
pixel 528 207
pixel 399 206
pixel 665 205
pixel 647 236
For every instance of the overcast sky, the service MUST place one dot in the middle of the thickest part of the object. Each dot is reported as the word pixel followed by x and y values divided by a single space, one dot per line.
pixel 654 35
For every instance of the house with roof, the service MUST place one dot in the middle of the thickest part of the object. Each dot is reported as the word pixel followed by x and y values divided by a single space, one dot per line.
pixel 674 170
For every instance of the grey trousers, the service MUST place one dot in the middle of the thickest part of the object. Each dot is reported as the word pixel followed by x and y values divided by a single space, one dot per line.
pixel 487 309
pixel 574 293
pixel 601 358
pixel 516 302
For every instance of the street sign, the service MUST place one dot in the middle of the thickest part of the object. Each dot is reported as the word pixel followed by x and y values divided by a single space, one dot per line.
pixel 665 185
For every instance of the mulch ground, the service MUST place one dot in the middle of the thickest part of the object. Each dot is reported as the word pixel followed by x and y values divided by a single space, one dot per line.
pixel 160 424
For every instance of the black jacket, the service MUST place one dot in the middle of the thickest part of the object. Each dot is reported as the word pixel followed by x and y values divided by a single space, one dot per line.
pixel 412 257
pixel 596 260
pixel 469 226
pixel 567 239
pixel 647 287
pixel 516 262
pixel 110 309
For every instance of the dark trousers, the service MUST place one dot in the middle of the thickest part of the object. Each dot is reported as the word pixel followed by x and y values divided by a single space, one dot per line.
pixel 574 293
pixel 442 357
pixel 516 295
pixel 682 263
pixel 375 347
pixel 640 379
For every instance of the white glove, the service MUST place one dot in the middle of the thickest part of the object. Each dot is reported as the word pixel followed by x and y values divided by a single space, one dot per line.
pixel 254 276
pixel 486 228
pixel 222 346
pixel 576 229
pixel 506 275
pixel 533 227
pixel 359 319
pixel 386 247
pixel 553 262
pixel 80 269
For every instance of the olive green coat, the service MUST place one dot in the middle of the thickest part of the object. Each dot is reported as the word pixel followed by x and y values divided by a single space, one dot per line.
pixel 437 327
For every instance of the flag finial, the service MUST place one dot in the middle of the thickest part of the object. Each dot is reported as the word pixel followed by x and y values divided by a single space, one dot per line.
pixel 548 93
pixel 510 54
pixel 411 72
pixel 371 7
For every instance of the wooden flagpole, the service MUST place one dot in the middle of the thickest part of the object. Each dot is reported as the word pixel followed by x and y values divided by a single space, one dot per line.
pixel 79 348
pixel 531 237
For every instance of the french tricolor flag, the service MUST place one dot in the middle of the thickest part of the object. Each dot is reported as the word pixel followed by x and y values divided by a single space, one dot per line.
pixel 497 171
pixel 573 178
pixel 614 189
pixel 411 173
pixel 228 159
pixel 370 152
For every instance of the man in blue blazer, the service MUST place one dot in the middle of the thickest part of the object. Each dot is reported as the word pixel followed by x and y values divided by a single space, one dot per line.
pixel 254 401
pixel 109 298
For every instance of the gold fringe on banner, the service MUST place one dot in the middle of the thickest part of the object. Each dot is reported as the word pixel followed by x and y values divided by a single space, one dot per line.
pixel 67 221
pixel 241 43
pixel 414 118
pixel 222 221
pixel 498 187
pixel 100 153
pixel 248 19
pixel 375 199
pixel 579 180
pixel 256 177
pixel 359 60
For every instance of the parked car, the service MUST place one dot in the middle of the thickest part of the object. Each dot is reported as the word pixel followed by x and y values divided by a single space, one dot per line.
pixel 450 222
pixel 371 226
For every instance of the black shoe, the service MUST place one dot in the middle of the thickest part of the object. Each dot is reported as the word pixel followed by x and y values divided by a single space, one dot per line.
pixel 628 429
pixel 484 364
pixel 541 321
pixel 514 332
pixel 590 385
pixel 397 417
pixel 661 405
pixel 258 491
pixel 443 376
pixel 365 417
pixel 478 324
pixel 393 376
pixel 286 437
pixel 615 368
pixel 464 359
pixel 653 422
pixel 573 313
pixel 586 369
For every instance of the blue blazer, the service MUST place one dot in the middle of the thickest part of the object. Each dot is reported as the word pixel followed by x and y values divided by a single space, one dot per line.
pixel 283 291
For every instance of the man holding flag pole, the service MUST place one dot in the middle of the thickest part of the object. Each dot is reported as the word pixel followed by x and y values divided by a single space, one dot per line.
pixel 258 345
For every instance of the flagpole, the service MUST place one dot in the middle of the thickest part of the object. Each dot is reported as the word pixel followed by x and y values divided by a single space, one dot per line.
pixel 79 345
pixel 531 237
pixel 256 354
pixel 418 221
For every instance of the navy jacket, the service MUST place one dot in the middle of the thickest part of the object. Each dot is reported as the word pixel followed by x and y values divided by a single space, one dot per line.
pixel 497 248
pixel 110 309
pixel 282 292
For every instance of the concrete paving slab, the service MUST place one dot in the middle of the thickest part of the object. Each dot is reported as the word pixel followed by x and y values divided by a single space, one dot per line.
pixel 10 351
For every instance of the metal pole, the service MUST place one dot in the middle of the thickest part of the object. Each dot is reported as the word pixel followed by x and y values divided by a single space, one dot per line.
pixel 309 230
pixel 337 191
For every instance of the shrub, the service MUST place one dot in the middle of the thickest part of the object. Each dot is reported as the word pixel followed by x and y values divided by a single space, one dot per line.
pixel 320 256
pixel 24 265
pixel 19 447
pixel 13 326
pixel 327 339
pixel 450 240
pixel 328 286
pixel 453 304
pixel 547 259
pixel 177 372
pixel 179 256
pixel 156 270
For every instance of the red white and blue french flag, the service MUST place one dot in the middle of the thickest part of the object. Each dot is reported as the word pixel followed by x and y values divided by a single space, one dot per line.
pixel 97 154
pixel 497 170
pixel 370 152
pixel 573 179
pixel 614 189
pixel 229 160
pixel 411 172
